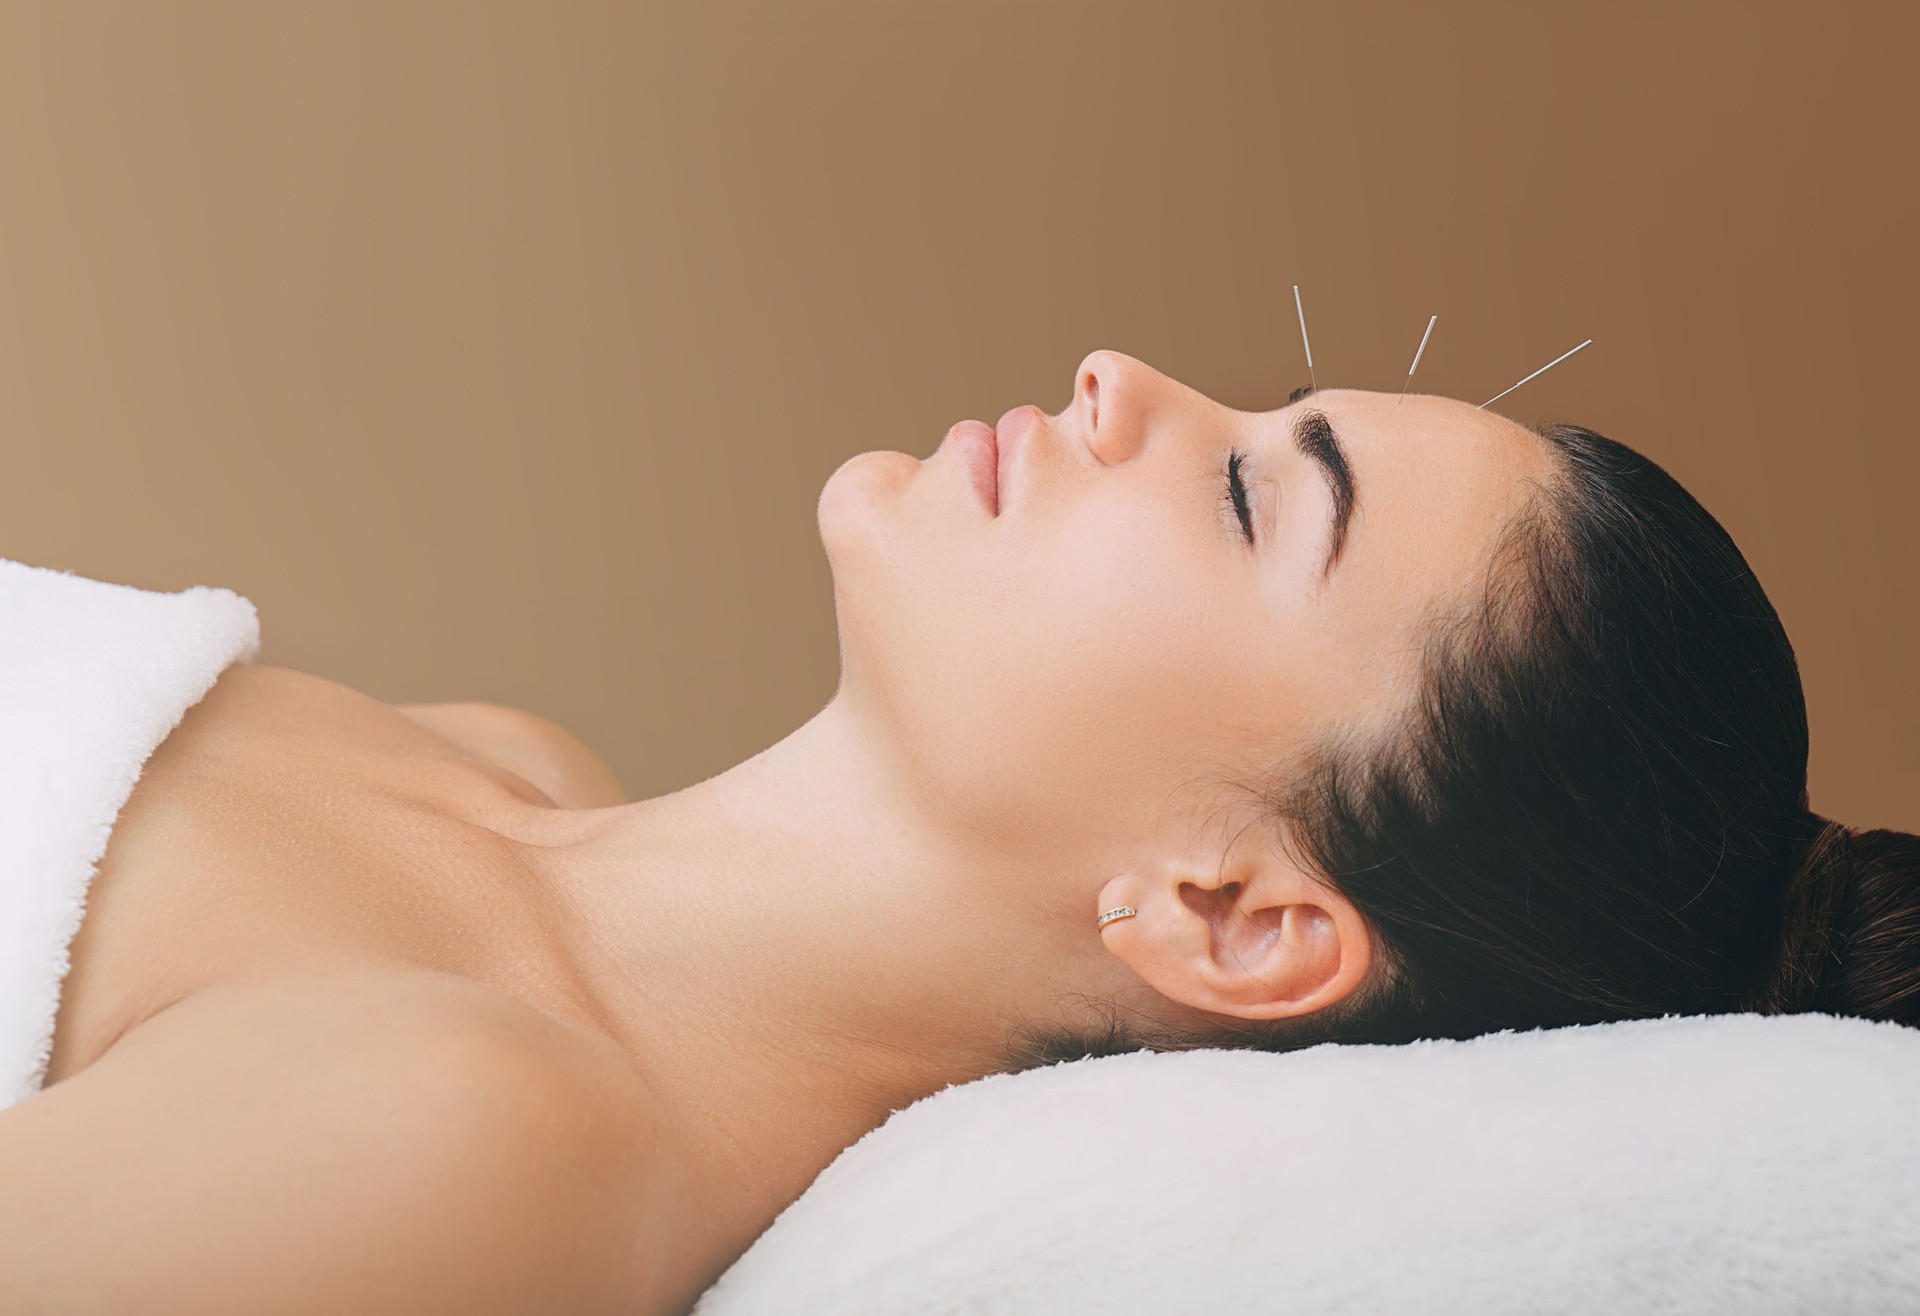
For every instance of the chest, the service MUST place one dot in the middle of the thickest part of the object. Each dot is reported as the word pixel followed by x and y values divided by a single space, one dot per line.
pixel 291 824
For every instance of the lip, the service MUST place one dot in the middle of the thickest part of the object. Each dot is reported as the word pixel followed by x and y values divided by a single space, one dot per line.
pixel 1010 434
pixel 979 451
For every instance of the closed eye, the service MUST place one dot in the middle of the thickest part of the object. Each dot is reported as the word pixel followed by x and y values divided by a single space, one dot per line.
pixel 1234 497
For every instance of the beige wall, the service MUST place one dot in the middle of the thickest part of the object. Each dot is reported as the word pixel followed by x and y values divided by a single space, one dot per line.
pixel 500 352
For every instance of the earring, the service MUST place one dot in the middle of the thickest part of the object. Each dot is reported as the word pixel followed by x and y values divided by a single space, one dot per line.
pixel 1114 915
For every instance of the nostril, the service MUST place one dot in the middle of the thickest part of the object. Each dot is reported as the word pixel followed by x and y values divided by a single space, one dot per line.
pixel 1093 398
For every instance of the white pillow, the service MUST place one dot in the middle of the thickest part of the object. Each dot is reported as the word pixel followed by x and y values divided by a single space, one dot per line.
pixel 1732 1163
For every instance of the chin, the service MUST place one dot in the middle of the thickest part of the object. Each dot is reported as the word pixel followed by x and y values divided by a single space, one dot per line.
pixel 856 503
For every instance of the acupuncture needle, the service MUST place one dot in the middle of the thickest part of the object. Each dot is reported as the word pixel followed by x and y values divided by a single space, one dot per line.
pixel 1416 358
pixel 1303 337
pixel 1541 371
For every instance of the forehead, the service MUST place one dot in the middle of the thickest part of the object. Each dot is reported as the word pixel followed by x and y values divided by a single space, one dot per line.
pixel 1436 482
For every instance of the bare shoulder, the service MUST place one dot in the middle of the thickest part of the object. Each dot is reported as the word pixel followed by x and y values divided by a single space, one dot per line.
pixel 555 760
pixel 363 1142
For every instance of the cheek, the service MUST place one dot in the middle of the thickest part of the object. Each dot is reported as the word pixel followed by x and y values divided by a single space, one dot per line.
pixel 1126 622
pixel 1076 677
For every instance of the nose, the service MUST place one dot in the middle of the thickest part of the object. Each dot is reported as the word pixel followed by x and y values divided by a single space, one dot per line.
pixel 1113 399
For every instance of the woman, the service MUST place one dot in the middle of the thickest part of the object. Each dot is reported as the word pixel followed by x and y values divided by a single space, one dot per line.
pixel 1384 719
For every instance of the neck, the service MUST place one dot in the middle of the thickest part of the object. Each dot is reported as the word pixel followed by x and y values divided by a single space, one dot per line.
pixel 794 949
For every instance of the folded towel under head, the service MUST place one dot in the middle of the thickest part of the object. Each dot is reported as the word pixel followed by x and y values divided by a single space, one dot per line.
pixel 1736 1163
pixel 93 675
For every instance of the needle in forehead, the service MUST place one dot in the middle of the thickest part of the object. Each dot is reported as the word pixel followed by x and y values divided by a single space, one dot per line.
pixel 1541 371
pixel 1303 337
pixel 1416 358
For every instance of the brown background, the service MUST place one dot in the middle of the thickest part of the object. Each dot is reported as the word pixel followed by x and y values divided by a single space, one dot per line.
pixel 500 352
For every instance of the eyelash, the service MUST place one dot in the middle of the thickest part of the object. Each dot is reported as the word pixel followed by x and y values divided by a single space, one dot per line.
pixel 1235 499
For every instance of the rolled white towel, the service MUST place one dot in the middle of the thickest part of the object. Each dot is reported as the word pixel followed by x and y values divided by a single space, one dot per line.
pixel 93 676
pixel 1768 1166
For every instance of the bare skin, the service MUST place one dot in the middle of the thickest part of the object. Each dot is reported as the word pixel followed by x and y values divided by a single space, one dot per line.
pixel 720 989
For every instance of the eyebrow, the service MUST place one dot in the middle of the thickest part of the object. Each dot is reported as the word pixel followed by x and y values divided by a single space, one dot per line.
pixel 1313 435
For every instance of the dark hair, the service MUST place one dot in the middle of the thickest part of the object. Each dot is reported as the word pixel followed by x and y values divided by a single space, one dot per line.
pixel 1594 805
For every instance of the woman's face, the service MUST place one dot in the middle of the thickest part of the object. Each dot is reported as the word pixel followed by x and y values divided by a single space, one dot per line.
pixel 1061 672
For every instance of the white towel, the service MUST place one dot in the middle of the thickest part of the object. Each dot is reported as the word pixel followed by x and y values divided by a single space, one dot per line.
pixel 1736 1163
pixel 93 676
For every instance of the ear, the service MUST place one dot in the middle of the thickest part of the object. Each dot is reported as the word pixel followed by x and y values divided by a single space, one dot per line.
pixel 1266 941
